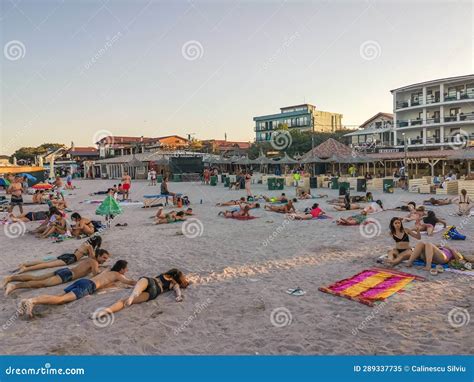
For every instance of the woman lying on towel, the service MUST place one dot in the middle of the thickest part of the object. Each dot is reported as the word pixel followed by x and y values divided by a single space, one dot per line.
pixel 88 248
pixel 239 202
pixel 170 217
pixel 306 195
pixel 309 214
pixel 401 235
pixel 276 199
pixel 374 207
pixel 433 254
pixel 242 212
pixel 428 223
pixel 353 220
pixel 438 202
pixel 149 288
pixel 284 209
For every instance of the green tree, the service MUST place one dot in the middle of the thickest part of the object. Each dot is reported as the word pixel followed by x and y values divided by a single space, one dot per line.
pixel 29 153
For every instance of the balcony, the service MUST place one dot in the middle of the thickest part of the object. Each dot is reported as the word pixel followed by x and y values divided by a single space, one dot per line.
pixel 447 119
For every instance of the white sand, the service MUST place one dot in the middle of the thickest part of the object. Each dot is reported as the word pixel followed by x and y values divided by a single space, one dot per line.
pixel 240 277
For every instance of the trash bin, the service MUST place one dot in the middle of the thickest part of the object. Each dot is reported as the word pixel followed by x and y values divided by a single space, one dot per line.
pixel 334 183
pixel 213 180
pixel 313 182
pixel 361 185
pixel 276 183
pixel 388 186
pixel 226 181
pixel 344 187
pixel 159 178
pixel 223 178
pixel 177 177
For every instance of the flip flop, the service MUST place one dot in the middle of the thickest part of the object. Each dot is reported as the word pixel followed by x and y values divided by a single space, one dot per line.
pixel 468 266
pixel 439 268
pixel 296 292
pixel 434 272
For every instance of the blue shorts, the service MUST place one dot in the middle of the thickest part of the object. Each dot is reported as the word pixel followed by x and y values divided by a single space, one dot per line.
pixel 81 288
pixel 65 274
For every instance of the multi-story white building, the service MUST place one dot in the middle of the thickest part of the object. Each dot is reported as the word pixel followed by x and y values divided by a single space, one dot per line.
pixel 434 114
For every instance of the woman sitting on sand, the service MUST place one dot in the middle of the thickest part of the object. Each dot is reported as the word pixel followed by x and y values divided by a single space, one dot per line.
pixel 243 211
pixel 427 224
pixel 284 209
pixel 438 202
pixel 313 213
pixel 401 236
pixel 58 227
pixel 83 226
pixel 353 220
pixel 464 202
pixel 88 248
pixel 149 288
pixel 433 254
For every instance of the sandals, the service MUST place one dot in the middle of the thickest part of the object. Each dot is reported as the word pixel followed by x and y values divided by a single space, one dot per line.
pixel 296 292
pixel 433 272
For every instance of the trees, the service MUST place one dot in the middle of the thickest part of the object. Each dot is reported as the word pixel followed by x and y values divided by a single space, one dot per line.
pixel 29 153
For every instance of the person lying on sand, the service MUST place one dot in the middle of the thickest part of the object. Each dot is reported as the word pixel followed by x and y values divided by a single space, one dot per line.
pixel 416 213
pixel 60 276
pixel 242 211
pixel 56 202
pixel 306 195
pixel 284 209
pixel 170 217
pixel 232 202
pixel 427 224
pixel 309 214
pixel 433 254
pixel 374 207
pixel 58 226
pixel 401 236
pixel 83 226
pixel 88 248
pixel 79 289
pixel 30 217
pixel 38 197
pixel 353 220
pixel 149 288
pixel 438 202
pixel 113 189
pixel 276 199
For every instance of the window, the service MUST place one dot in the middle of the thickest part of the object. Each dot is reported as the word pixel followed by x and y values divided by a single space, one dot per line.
pixel 454 111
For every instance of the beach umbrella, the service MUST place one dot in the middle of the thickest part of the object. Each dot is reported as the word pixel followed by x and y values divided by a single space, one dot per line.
pixel 109 208
pixel 42 186
pixel 4 182
pixel 29 177
pixel 287 160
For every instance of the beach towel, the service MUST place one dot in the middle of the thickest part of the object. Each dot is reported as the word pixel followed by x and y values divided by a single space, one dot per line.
pixel 242 217
pixel 371 286
pixel 422 263
pixel 322 217
pixel 437 228
pixel 349 225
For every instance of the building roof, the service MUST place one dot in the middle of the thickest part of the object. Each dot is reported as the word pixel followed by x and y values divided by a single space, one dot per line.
pixel 380 114
pixel 434 82
pixel 442 154
pixel 170 136
pixel 223 143
pixel 84 151
pixel 291 107
pixel 329 148
pixel 4 156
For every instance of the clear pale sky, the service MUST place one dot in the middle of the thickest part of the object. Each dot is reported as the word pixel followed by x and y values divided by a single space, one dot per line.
pixel 256 57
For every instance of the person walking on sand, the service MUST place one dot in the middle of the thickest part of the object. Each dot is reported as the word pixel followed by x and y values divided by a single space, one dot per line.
pixel 16 191
pixel 60 276
pixel 153 177
pixel 79 289
pixel 248 179
pixel 59 187
pixel 126 185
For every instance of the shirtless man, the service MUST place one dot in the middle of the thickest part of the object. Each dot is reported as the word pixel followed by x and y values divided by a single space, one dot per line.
pixel 79 289
pixel 126 184
pixel 83 226
pixel 59 185
pixel 16 190
pixel 286 208
pixel 61 276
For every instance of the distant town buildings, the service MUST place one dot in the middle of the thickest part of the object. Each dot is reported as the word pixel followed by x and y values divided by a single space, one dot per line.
pixel 377 131
pixel 303 117
pixel 224 147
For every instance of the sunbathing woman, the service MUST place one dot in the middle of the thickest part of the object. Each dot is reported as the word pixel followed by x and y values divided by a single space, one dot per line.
pixel 243 211
pixel 149 288
pixel 170 217
pixel 58 226
pixel 30 217
pixel 306 195
pixel 401 235
pixel 232 202
pixel 353 220
pixel 464 203
pixel 284 209
pixel 276 199
pixel 431 253
pixel 60 276
pixel 415 214
pixel 83 226
pixel 309 214
pixel 428 223
pixel 438 202
pixel 374 207
pixel 88 248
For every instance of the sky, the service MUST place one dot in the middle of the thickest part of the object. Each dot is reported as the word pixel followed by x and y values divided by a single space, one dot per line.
pixel 77 70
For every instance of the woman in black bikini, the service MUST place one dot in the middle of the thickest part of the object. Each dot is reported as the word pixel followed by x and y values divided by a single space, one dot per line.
pixel 401 235
pixel 428 223
pixel 464 203
pixel 149 288
pixel 88 248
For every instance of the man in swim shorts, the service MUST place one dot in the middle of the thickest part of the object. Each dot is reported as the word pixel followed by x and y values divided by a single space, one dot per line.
pixel 79 289
pixel 16 190
pixel 126 184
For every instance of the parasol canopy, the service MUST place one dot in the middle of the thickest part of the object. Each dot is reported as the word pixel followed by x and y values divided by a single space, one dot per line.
pixel 42 186
pixel 4 182
pixel 109 207
pixel 29 177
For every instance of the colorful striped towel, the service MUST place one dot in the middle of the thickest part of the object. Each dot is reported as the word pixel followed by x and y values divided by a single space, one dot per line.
pixel 371 285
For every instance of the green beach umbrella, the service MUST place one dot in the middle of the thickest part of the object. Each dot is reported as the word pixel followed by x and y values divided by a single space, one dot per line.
pixel 109 207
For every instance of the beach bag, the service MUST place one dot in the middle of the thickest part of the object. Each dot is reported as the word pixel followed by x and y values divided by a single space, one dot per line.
pixel 453 234
pixel 97 225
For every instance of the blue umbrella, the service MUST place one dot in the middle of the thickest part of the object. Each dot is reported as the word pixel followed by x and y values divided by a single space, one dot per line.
pixel 29 177
pixel 3 183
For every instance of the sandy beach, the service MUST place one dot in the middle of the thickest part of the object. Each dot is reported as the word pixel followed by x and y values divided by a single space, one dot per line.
pixel 241 270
